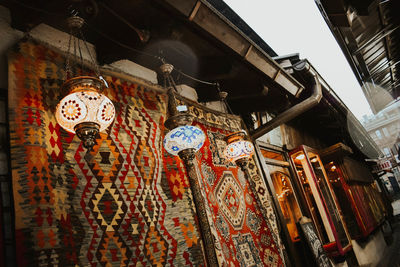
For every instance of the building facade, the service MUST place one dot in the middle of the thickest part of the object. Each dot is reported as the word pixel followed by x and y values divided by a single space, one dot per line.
pixel 318 170
pixel 384 128
pixel 127 202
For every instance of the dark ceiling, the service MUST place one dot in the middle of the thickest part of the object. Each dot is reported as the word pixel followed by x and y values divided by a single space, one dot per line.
pixel 113 27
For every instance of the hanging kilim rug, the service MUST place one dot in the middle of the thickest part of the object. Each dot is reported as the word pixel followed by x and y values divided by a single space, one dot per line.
pixel 126 203
pixel 243 232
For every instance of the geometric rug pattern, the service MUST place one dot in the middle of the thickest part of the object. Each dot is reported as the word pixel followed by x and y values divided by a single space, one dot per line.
pixel 243 233
pixel 126 203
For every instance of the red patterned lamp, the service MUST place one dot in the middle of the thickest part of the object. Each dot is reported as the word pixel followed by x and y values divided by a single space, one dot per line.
pixel 238 150
pixel 84 111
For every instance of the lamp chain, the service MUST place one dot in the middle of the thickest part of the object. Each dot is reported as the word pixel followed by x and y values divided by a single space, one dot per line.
pixel 68 73
pixel 80 55
pixel 76 36
pixel 74 23
pixel 223 95
pixel 96 67
pixel 170 84
pixel 74 69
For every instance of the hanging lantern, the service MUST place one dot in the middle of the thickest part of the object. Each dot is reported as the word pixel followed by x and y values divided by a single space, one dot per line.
pixel 238 150
pixel 182 138
pixel 84 110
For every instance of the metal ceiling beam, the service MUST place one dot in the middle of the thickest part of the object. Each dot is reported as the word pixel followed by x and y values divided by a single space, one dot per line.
pixel 366 60
pixel 370 56
pixel 379 67
pixel 386 42
pixel 377 37
pixel 378 74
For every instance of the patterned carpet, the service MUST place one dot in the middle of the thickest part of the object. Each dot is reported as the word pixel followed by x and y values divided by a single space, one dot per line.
pixel 243 236
pixel 127 202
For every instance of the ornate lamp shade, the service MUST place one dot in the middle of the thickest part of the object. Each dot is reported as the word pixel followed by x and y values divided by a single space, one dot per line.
pixel 84 110
pixel 183 138
pixel 238 150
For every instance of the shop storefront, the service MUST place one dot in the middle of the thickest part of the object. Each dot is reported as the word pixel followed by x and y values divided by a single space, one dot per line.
pixel 335 191
pixel 321 201
pixel 359 199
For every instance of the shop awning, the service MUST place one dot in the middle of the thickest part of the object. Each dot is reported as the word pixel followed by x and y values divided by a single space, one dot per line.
pixel 369 35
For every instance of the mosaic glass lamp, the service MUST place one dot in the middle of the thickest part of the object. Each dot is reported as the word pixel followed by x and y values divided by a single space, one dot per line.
pixel 84 111
pixel 183 139
pixel 238 150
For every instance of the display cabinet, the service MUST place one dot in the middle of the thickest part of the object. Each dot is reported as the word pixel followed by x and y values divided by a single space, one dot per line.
pixel 321 201
pixel 287 201
pixel 361 203
pixel 281 180
pixel 351 212
pixel 278 168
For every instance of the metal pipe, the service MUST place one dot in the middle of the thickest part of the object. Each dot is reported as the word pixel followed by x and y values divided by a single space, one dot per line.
pixel 296 110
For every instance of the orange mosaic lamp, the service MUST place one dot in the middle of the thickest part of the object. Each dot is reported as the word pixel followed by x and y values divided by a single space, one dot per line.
pixel 238 150
pixel 84 110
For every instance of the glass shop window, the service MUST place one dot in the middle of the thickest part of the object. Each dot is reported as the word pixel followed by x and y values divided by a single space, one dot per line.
pixel 374 201
pixel 287 201
pixel 348 207
pixel 278 167
pixel 314 204
pixel 325 211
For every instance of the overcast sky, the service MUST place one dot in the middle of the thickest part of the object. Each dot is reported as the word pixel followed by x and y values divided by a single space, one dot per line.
pixel 297 26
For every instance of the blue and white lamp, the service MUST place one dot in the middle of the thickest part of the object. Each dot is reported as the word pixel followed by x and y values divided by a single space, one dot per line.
pixel 182 138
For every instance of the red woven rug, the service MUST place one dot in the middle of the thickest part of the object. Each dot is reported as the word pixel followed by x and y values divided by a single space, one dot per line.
pixel 244 237
pixel 119 205
pixel 127 202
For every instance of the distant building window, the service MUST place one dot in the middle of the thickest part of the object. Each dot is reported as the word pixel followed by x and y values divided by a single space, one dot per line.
pixel 378 134
pixel 386 151
pixel 385 131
